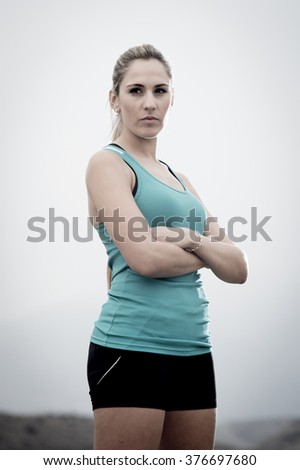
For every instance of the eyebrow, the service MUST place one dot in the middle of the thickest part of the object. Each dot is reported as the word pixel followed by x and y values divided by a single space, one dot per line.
pixel 138 84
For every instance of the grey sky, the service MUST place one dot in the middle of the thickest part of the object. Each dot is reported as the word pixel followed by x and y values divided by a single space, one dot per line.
pixel 233 130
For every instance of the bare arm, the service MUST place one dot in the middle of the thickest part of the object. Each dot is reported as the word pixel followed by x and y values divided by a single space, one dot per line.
pixel 226 260
pixel 220 254
pixel 109 186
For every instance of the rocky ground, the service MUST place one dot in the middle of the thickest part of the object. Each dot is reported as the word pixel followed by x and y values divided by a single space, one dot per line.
pixel 76 433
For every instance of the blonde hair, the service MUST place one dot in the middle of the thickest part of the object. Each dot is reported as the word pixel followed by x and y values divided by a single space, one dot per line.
pixel 146 52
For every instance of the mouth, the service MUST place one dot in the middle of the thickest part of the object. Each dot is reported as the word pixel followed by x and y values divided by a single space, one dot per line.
pixel 149 118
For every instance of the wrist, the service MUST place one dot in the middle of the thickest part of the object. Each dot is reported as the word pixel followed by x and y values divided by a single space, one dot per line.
pixel 195 244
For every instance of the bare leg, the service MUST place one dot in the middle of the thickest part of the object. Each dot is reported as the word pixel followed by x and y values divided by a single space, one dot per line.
pixel 128 428
pixel 193 429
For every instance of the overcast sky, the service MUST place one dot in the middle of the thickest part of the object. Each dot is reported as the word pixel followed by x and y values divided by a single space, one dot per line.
pixel 233 130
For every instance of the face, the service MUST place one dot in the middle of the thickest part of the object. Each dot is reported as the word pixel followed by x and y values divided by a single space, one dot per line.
pixel 144 99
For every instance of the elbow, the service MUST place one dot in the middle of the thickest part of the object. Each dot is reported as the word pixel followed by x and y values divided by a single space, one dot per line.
pixel 242 277
pixel 143 270
pixel 242 270
pixel 143 266
pixel 236 272
pixel 237 276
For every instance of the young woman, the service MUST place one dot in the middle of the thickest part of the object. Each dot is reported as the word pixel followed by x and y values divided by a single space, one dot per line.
pixel 150 368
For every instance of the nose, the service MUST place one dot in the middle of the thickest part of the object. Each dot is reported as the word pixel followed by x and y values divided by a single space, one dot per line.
pixel 149 102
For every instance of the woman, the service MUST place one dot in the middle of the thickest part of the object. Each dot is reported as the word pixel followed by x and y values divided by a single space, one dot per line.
pixel 150 368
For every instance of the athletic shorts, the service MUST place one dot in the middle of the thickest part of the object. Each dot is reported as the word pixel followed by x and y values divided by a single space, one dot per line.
pixel 121 378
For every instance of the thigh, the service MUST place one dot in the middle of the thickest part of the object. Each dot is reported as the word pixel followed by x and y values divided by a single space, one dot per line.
pixel 127 398
pixel 191 429
pixel 128 428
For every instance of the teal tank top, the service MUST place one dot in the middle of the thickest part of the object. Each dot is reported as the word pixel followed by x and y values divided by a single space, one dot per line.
pixel 160 315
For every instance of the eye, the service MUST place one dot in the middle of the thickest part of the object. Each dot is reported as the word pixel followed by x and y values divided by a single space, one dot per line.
pixel 161 91
pixel 135 91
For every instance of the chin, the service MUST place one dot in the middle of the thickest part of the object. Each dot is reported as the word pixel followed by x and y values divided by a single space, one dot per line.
pixel 149 135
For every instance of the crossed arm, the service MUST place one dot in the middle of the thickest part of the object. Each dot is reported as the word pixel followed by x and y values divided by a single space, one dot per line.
pixel 109 186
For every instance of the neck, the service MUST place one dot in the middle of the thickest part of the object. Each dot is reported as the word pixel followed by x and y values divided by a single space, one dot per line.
pixel 138 146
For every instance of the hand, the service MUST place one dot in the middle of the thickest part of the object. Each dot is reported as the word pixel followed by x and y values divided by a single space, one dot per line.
pixel 183 237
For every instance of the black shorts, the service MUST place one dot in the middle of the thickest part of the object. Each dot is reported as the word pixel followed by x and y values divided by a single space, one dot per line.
pixel 121 378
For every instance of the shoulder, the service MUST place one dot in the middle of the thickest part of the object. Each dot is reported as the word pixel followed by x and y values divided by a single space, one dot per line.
pixel 105 164
pixel 104 158
pixel 107 172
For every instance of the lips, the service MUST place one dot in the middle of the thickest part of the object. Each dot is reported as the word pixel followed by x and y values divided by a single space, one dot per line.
pixel 149 118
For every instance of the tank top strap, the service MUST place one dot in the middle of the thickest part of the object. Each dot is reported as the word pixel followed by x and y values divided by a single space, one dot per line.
pixel 174 174
pixel 125 156
pixel 114 148
pixel 131 162
pixel 140 172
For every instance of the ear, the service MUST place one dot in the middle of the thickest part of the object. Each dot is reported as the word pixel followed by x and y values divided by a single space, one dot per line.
pixel 114 102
